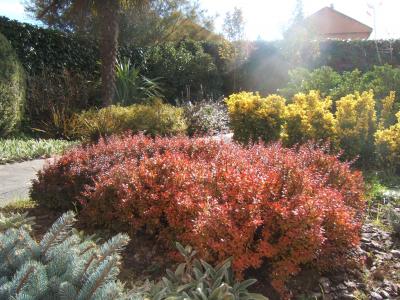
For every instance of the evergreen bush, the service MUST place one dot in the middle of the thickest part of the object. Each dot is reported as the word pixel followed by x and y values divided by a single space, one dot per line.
pixel 357 124
pixel 12 89
pixel 387 143
pixel 154 118
pixel 252 117
pixel 309 117
pixel 62 265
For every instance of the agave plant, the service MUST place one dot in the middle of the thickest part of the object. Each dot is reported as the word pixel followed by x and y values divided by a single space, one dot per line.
pixel 131 87
pixel 195 279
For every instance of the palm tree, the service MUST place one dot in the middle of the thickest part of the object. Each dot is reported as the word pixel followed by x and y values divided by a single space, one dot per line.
pixel 107 12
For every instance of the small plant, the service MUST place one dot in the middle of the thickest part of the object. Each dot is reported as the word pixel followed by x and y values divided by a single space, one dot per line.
pixel 387 142
pixel 206 118
pixel 154 118
pixel 61 266
pixel 253 118
pixel 308 118
pixel 357 124
pixel 195 279
pixel 131 87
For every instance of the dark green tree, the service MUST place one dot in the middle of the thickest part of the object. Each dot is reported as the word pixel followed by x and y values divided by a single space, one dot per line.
pixel 68 13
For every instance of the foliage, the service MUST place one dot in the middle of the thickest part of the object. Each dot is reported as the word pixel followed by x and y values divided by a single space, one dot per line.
pixel 380 79
pixel 206 117
pixel 387 111
pixel 187 71
pixel 196 279
pixel 388 146
pixel 154 119
pixel 324 80
pixel 154 23
pixel 394 219
pixel 39 49
pixel 17 149
pixel 357 123
pixel 61 266
pixel 309 118
pixel 234 24
pixel 12 89
pixel 253 117
pixel 257 204
pixel 53 98
pixel 131 87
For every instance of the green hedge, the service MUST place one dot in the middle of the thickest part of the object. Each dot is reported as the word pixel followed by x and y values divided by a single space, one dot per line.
pixel 40 48
pixel 194 69
pixel 12 88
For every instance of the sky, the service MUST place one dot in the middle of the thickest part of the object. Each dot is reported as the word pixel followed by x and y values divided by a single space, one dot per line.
pixel 266 19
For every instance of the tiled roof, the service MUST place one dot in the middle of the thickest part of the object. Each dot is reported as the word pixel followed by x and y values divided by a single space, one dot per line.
pixel 328 21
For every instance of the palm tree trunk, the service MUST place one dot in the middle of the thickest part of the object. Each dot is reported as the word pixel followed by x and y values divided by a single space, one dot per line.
pixel 108 13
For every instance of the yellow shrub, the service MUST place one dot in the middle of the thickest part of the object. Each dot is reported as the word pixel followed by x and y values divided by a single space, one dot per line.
pixel 253 117
pixel 309 118
pixel 356 117
pixel 387 143
pixel 387 117
pixel 154 119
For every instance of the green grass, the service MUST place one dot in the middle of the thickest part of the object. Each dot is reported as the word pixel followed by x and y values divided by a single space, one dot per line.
pixel 17 149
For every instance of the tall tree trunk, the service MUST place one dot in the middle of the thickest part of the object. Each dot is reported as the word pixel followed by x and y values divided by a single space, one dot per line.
pixel 108 13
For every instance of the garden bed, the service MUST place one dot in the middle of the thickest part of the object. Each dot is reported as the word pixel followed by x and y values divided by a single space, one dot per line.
pixel 17 150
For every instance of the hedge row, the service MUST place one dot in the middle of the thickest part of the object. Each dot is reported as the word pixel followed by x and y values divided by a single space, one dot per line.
pixel 354 124
pixel 195 69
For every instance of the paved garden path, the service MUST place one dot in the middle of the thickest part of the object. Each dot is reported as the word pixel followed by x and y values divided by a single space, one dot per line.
pixel 15 180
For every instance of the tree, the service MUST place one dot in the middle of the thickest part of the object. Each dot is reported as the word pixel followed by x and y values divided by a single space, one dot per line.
pixel 166 20
pixel 107 13
pixel 234 25
pixel 159 21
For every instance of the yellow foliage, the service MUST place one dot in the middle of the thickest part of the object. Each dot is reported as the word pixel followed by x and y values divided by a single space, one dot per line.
pixel 309 118
pixel 387 117
pixel 356 117
pixel 253 117
pixel 154 119
pixel 387 143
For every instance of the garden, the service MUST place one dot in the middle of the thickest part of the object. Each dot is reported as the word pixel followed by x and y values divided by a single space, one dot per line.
pixel 192 174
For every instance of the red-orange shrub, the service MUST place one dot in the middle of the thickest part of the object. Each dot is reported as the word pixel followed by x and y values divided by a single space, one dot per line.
pixel 260 204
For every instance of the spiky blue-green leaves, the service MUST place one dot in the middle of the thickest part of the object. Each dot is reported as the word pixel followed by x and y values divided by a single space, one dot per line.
pixel 62 265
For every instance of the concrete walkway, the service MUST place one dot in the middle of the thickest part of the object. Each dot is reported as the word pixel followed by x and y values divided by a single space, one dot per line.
pixel 15 180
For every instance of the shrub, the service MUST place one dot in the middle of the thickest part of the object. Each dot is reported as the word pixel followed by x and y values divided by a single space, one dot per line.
pixel 61 266
pixel 12 89
pixel 258 204
pixel 309 118
pixel 253 117
pixel 155 118
pixel 356 117
pixel 301 80
pixel 53 98
pixel 387 116
pixel 206 117
pixel 131 87
pixel 387 143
